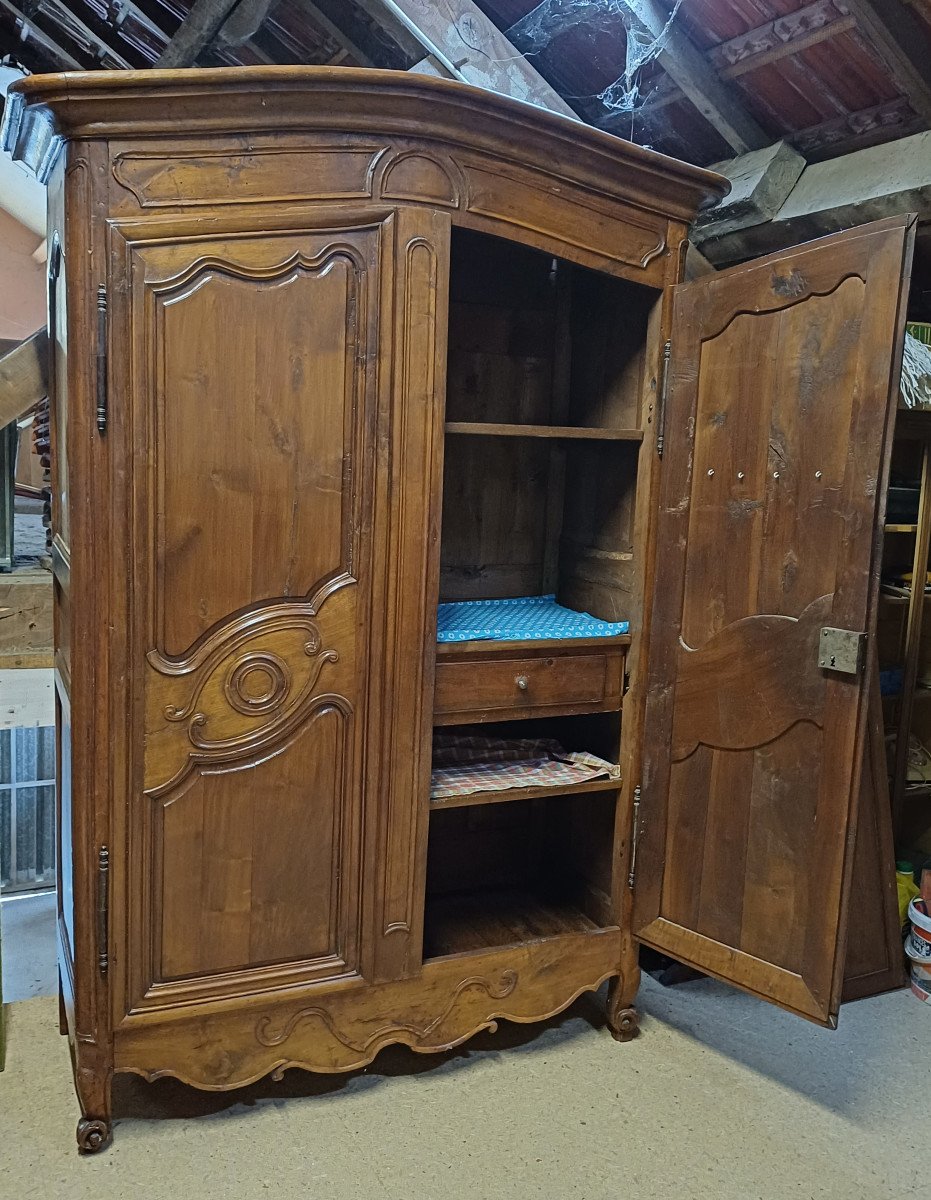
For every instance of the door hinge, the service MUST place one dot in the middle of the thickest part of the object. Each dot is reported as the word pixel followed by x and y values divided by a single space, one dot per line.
pixel 663 392
pixel 101 360
pixel 103 908
pixel 841 650
pixel 635 833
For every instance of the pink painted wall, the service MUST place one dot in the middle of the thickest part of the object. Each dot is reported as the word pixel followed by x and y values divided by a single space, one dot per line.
pixel 22 281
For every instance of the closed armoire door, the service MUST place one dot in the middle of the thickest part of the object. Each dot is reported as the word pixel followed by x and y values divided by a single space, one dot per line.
pixel 279 432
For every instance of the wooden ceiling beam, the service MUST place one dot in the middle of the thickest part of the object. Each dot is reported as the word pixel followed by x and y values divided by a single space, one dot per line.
pixel 196 33
pixel 864 185
pixel 90 26
pixel 332 30
pixel 779 38
pixel 857 130
pixel 764 45
pixel 900 38
pixel 69 60
pixel 684 63
pixel 389 25
pixel 30 53
pixel 467 45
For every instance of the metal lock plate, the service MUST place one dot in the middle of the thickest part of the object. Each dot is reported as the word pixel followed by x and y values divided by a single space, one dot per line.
pixel 841 650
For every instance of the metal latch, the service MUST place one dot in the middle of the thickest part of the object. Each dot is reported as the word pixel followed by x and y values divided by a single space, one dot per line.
pixel 841 650
pixel 635 834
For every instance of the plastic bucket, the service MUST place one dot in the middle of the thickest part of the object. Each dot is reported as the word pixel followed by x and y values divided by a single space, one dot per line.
pixel 921 981
pixel 918 940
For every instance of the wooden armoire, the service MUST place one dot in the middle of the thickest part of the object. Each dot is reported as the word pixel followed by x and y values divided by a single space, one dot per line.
pixel 332 346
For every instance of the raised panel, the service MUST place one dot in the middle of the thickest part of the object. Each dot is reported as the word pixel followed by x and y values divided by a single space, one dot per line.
pixel 200 177
pixel 767 531
pixel 251 858
pixel 285 427
pixel 422 178
pixel 410 537
pixel 257 402
pixel 255 425
pixel 580 218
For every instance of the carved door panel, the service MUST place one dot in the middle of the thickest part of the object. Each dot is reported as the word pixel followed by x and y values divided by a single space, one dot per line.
pixel 263 408
pixel 778 429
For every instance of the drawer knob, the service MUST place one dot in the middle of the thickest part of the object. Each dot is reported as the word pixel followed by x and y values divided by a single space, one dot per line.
pixel 522 682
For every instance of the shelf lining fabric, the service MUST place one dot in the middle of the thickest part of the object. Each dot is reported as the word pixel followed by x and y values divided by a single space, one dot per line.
pixel 465 764
pixel 524 618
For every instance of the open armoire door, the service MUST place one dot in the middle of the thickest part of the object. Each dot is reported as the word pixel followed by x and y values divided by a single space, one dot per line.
pixel 781 395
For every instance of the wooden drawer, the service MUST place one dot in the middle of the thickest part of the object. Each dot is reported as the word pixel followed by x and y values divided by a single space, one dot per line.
pixel 499 687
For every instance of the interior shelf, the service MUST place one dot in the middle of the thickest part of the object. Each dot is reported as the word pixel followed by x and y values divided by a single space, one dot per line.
pixel 467 921
pixel 590 433
pixel 486 646
pixel 525 793
pixel 900 528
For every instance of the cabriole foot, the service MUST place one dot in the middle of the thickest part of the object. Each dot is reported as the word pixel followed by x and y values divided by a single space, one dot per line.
pixel 624 1024
pixel 623 1018
pixel 92 1135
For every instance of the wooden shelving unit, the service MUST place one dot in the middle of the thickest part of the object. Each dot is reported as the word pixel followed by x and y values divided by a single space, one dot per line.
pixel 912 427
pixel 557 432
pixel 481 648
pixel 525 793
pixel 462 922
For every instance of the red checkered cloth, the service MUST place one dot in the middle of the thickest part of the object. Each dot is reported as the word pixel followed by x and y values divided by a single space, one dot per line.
pixel 463 764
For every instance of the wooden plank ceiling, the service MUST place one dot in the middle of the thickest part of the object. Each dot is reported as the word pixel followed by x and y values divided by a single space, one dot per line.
pixel 828 76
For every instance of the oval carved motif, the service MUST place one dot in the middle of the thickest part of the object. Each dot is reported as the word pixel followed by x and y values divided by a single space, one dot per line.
pixel 252 668
pixel 244 691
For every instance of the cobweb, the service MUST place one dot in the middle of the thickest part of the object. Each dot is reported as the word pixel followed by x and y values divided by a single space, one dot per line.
pixel 623 95
pixel 549 19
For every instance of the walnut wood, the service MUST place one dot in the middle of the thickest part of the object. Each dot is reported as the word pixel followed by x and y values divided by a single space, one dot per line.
pixel 490 429
pixel 498 688
pixel 468 799
pixel 248 100
pixel 874 961
pixel 245 598
pixel 914 623
pixel 301 287
pixel 463 651
pixel 748 808
pixel 341 1029
pixel 461 924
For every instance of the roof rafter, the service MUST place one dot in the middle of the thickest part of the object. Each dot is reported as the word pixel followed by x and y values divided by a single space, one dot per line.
pixel 467 45
pixel 765 44
pixel 682 61
pixel 196 33
pixel 330 28
pixel 31 28
pixel 900 38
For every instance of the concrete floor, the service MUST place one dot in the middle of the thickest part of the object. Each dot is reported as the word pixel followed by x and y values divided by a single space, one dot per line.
pixel 30 957
pixel 721 1098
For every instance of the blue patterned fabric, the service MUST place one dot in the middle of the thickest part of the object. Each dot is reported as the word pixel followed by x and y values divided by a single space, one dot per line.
pixel 527 618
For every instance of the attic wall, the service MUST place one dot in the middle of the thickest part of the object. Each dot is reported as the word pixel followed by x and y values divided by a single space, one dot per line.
pixel 22 281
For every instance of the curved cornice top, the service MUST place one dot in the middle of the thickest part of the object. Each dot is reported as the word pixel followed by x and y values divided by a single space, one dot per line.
pixel 42 110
